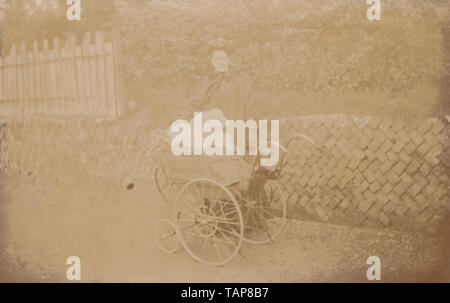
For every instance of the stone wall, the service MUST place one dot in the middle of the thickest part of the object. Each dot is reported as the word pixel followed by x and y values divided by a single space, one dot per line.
pixel 61 148
pixel 360 171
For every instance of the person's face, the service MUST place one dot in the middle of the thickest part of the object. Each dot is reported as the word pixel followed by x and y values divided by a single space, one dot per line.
pixel 220 61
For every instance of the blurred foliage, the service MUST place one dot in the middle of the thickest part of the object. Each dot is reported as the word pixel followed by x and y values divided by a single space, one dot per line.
pixel 320 46
pixel 307 45
pixel 30 20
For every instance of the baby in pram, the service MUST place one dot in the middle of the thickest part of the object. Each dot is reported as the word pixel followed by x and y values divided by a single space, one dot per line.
pixel 225 168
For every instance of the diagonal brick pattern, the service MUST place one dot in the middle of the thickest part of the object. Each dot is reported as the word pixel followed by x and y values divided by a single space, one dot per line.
pixel 367 171
pixel 361 171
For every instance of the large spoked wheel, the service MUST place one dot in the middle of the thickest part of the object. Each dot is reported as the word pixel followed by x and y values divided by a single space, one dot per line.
pixel 163 184
pixel 165 234
pixel 264 219
pixel 209 221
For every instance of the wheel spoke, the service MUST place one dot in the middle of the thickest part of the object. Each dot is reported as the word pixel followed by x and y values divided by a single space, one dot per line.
pixel 218 242
pixel 229 202
pixel 200 197
pixel 263 209
pixel 254 227
pixel 193 205
pixel 220 203
pixel 186 212
pixel 227 231
pixel 203 189
pixel 225 236
pixel 204 244
pixel 216 246
pixel 226 222
pixel 217 218
pixel 192 198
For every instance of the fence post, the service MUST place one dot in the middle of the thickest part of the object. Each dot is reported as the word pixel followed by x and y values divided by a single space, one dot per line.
pixel 110 80
pixel 19 84
pixel 86 72
pixel 37 73
pixel 64 95
pixel 22 62
pixel 6 86
pixel 100 54
pixel 2 91
pixel 59 75
pixel 93 79
pixel 13 80
pixel 3 109
pixel 46 79
pixel 24 75
pixel 52 77
pixel 73 75
pixel 62 80
pixel 70 78
pixel 32 85
pixel 42 83
pixel 120 105
pixel 80 80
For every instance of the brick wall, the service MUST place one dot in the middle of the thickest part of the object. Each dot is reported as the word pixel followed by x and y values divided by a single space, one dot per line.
pixel 369 171
pixel 361 171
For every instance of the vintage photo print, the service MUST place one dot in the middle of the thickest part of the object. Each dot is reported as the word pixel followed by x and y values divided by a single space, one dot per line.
pixel 224 141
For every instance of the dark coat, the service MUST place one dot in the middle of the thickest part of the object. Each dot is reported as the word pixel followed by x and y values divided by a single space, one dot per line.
pixel 232 95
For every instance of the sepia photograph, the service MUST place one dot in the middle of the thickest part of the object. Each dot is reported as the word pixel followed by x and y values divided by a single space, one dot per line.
pixel 224 141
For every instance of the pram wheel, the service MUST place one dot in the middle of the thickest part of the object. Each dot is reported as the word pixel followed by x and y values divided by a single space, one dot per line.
pixel 163 184
pixel 209 221
pixel 166 236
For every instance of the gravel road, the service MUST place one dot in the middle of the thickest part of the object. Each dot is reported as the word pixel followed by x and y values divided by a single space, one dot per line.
pixel 44 221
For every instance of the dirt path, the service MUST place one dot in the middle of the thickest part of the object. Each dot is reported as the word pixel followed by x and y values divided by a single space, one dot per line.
pixel 110 229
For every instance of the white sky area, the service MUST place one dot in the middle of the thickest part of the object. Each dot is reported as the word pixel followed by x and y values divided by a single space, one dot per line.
pixel 39 2
pixel 44 3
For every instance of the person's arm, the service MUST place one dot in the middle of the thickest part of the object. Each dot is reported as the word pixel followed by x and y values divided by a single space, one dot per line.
pixel 207 90
pixel 253 107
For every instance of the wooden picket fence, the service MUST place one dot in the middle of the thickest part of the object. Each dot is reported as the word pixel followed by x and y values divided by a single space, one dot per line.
pixel 68 80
